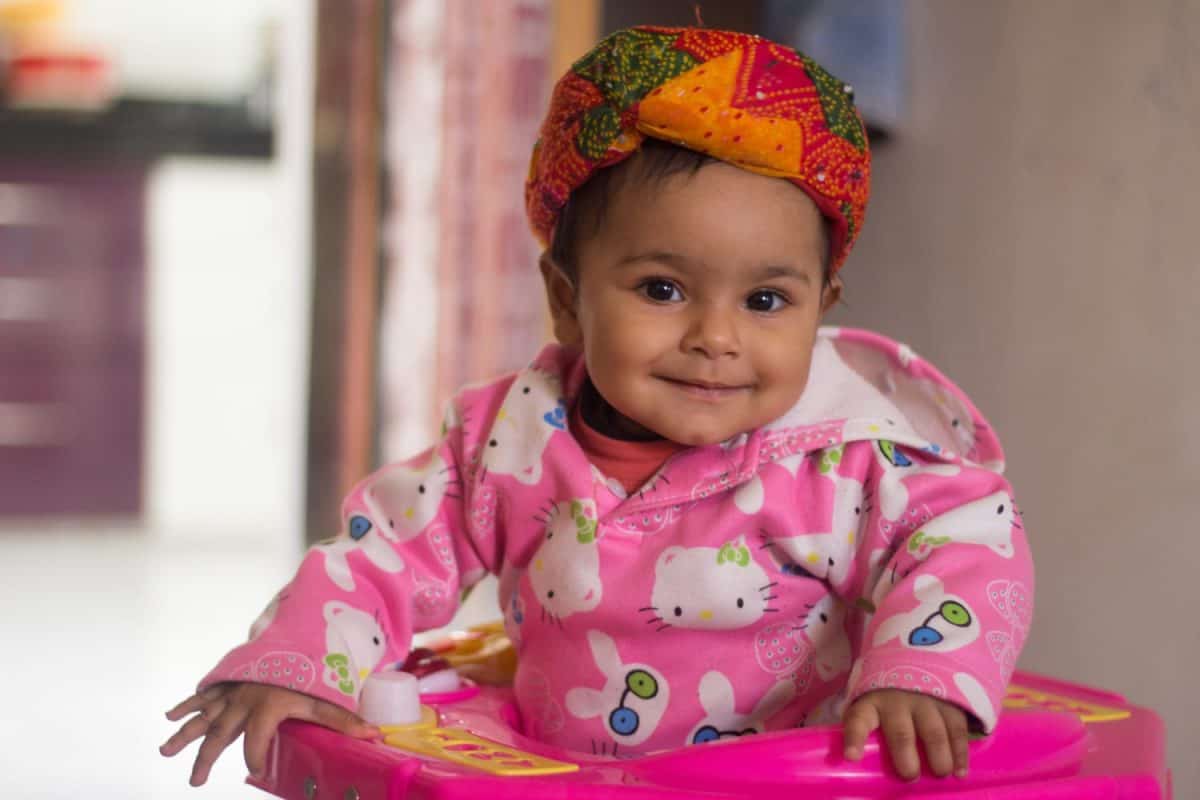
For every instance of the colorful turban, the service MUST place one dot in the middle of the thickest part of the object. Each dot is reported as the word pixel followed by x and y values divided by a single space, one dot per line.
pixel 739 98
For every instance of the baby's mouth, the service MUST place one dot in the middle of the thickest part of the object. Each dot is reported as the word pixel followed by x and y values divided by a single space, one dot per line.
pixel 707 390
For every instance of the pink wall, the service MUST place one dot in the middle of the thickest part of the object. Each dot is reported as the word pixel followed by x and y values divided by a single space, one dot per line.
pixel 1034 233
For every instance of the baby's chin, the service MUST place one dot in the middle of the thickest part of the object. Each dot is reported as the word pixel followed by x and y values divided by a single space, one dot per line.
pixel 702 435
pixel 698 438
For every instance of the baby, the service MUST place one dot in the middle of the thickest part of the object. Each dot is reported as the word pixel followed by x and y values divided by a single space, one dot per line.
pixel 709 516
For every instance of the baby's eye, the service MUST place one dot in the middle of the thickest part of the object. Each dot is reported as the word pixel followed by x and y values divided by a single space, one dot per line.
pixel 661 291
pixel 766 300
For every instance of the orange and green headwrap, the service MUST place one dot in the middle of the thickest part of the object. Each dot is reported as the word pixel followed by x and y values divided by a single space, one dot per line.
pixel 736 97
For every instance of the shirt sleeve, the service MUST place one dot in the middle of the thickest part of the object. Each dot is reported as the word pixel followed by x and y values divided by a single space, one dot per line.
pixel 409 543
pixel 947 594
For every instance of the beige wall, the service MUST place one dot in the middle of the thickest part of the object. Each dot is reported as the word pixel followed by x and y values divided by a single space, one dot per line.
pixel 1034 231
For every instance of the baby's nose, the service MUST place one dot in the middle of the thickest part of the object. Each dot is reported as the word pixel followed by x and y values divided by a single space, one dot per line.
pixel 712 333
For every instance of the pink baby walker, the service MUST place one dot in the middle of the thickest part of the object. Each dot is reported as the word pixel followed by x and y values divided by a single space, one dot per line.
pixel 461 738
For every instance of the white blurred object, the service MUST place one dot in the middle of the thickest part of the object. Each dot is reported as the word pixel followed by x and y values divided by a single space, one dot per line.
pixel 181 48
pixel 390 698
pixel 229 273
pixel 225 409
pixel 441 682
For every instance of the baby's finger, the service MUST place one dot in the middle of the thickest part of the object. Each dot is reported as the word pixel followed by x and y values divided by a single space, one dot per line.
pixel 260 729
pixel 339 719
pixel 931 727
pixel 901 740
pixel 956 727
pixel 193 729
pixel 196 702
pixel 860 720
pixel 221 733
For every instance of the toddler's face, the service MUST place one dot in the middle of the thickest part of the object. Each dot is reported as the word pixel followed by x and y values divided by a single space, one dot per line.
pixel 697 302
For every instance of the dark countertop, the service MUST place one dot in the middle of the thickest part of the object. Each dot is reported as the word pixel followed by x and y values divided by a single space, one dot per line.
pixel 135 129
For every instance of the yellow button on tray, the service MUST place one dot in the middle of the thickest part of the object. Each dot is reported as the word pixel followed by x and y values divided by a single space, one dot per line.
pixel 1020 697
pixel 462 747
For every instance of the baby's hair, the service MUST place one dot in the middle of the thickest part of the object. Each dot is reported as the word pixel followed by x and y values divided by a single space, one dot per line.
pixel 654 162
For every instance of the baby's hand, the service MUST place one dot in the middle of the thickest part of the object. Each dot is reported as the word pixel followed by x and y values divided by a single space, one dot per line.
pixel 905 716
pixel 227 709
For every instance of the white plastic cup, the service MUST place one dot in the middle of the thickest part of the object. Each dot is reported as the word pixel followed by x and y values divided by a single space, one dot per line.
pixel 390 698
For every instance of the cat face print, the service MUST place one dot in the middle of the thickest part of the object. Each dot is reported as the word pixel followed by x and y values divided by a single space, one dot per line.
pixel 564 572
pixel 829 555
pixel 355 644
pixel 987 522
pixel 406 498
pixel 363 537
pixel 532 411
pixel 824 627
pixel 709 588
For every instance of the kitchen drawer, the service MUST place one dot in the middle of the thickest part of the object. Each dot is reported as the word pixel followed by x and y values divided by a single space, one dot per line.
pixel 71 340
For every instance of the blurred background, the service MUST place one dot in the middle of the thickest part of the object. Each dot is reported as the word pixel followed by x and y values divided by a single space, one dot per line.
pixel 248 247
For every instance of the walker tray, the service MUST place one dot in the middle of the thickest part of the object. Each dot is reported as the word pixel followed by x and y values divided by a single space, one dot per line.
pixel 1054 740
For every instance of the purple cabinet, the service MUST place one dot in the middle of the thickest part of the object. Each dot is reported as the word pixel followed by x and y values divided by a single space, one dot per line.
pixel 71 339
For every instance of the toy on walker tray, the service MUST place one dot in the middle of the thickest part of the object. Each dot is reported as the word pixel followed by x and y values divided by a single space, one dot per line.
pixel 449 736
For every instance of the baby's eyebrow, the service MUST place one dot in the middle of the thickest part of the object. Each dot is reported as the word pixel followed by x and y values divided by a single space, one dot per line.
pixel 783 271
pixel 677 260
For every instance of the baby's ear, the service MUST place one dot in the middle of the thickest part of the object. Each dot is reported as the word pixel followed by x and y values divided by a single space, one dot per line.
pixel 560 296
pixel 831 294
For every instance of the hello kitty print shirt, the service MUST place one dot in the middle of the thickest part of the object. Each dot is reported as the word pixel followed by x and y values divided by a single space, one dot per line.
pixel 864 540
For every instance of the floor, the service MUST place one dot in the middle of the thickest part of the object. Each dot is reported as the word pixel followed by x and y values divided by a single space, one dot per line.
pixel 106 628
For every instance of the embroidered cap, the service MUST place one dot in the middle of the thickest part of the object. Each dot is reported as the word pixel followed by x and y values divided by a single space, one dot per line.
pixel 739 98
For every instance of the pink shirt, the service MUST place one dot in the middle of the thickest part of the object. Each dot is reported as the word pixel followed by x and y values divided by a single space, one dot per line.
pixel 864 540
